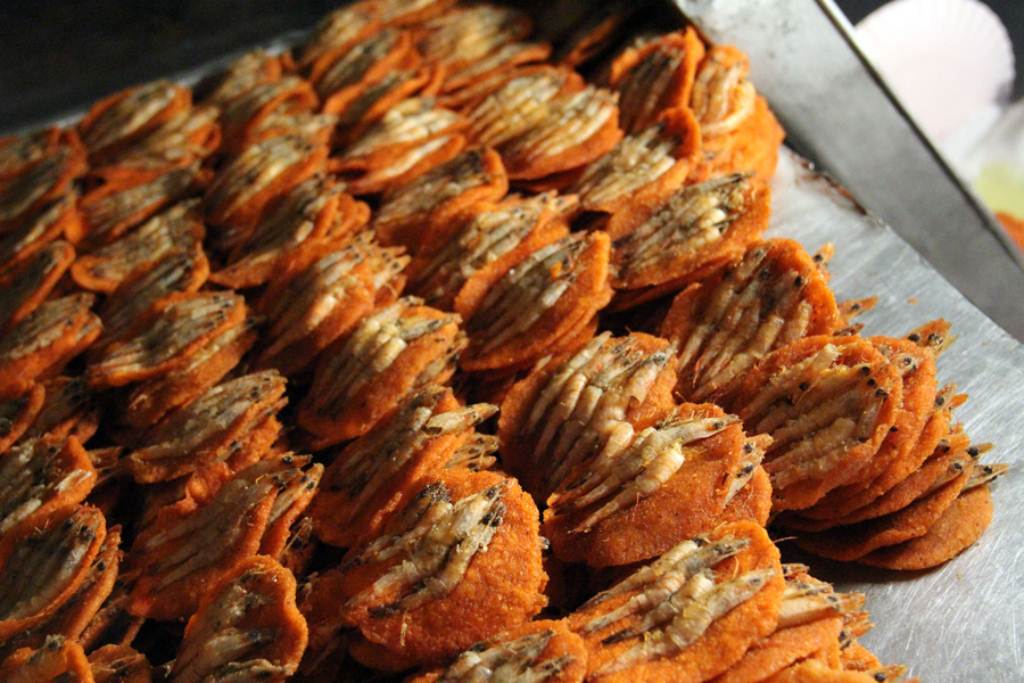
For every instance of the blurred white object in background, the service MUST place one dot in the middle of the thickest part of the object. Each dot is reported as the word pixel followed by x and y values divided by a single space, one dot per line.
pixel 951 64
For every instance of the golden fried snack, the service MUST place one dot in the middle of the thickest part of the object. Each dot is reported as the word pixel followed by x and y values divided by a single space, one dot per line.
pixel 111 210
pixel 43 181
pixel 176 327
pixel 112 623
pixel 816 671
pixel 916 366
pixel 405 128
pixel 119 664
pixel 309 211
pixel 753 500
pixel 338 31
pixel 846 543
pixel 58 659
pixel 570 131
pixel 74 614
pixel 489 242
pixel 153 399
pixel 42 564
pixel 244 73
pixel 434 200
pixel 177 228
pixel 515 99
pixel 959 527
pixel 725 324
pixel 37 230
pixel 538 301
pixel 244 116
pixel 413 137
pixel 41 477
pixel 655 77
pixel 558 417
pixel 296 491
pixel 69 410
pixel 378 97
pixel 739 131
pixel 258 442
pixel 459 563
pixel 121 119
pixel 322 293
pixel 646 491
pixel 474 42
pixel 42 343
pixel 690 614
pixel 19 151
pixel 18 414
pixel 396 351
pixel 340 76
pixel 543 650
pixel 361 488
pixel 951 457
pixel 247 627
pixel 409 12
pixel 698 229
pixel 190 545
pixel 936 439
pixel 131 305
pixel 811 619
pixel 202 432
pixel 189 135
pixel 641 171
pixel 248 182
pixel 316 129
pixel 828 403
pixel 22 290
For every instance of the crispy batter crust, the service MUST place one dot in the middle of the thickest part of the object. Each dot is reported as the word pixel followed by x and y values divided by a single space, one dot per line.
pixel 501 586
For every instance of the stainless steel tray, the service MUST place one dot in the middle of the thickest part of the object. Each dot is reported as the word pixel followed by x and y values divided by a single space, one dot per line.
pixel 965 620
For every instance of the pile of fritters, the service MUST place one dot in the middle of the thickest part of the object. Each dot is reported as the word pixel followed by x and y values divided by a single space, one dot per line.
pixel 411 351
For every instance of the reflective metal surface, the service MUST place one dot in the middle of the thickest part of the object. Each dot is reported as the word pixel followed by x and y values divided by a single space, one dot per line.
pixel 838 112
pixel 965 620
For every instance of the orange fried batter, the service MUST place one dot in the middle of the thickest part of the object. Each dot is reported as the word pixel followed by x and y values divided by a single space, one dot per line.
pixel 257 598
pixel 411 214
pixel 25 288
pixel 583 260
pixel 650 264
pixel 959 527
pixel 774 388
pixel 119 664
pixel 43 563
pixel 724 641
pixel 342 513
pixel 913 521
pixel 644 91
pixel 152 400
pixel 58 659
pixel 501 586
pixel 18 414
pixel 346 401
pixel 717 343
pixel 781 649
pixel 559 654
pixel 691 502
pixel 43 342
pixel 917 366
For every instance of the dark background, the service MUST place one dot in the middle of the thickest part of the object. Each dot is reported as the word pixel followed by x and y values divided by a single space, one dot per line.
pixel 60 55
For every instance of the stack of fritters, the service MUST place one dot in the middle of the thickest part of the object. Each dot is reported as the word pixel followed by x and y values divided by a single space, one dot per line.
pixel 545 380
